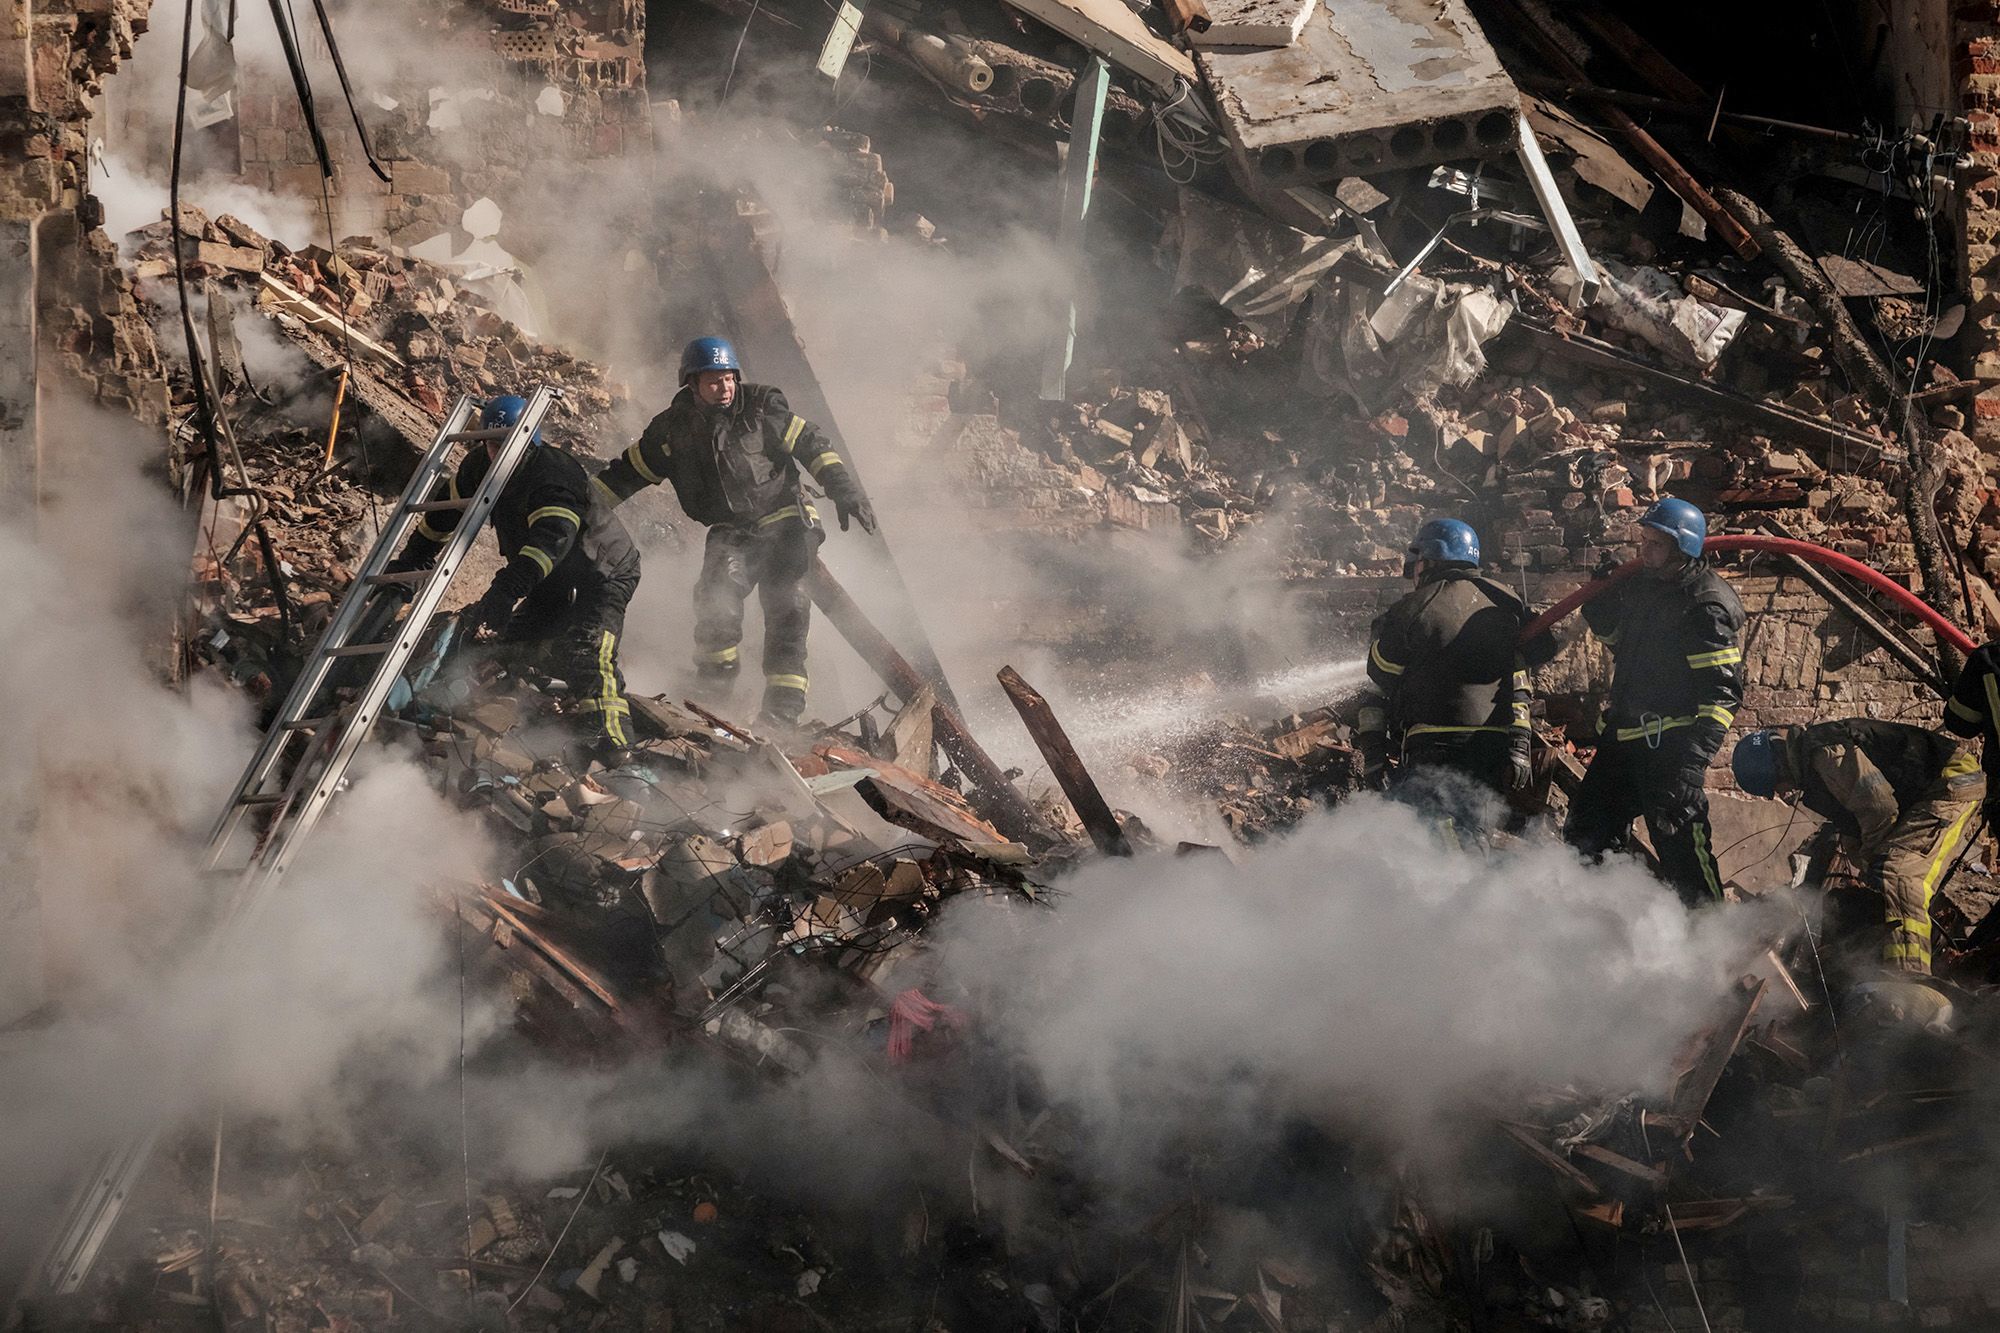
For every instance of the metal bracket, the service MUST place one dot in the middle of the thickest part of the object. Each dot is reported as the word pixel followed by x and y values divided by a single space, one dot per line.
pixel 1583 290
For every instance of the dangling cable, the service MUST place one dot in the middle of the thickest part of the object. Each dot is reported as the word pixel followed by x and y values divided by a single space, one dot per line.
pixel 346 91
pixel 206 408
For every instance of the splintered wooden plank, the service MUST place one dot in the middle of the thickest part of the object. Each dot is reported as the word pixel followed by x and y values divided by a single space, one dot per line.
pixel 1549 1157
pixel 1077 784
pixel 1717 1049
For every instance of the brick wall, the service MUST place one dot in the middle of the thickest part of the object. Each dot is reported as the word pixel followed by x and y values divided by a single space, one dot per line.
pixel 1975 69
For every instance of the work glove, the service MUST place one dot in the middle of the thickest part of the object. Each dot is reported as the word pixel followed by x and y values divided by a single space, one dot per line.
pixel 1606 565
pixel 1685 785
pixel 1520 763
pixel 494 611
pixel 858 509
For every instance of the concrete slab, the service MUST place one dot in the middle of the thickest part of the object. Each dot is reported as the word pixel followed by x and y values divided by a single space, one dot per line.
pixel 1253 22
pixel 1370 85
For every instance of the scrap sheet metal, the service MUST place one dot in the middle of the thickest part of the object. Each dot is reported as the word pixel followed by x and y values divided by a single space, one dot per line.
pixel 1361 72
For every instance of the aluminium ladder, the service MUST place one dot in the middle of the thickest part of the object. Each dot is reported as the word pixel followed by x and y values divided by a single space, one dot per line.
pixel 303 760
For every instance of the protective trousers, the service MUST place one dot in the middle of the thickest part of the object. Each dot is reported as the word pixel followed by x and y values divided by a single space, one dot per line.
pixel 1631 779
pixel 774 559
pixel 581 618
pixel 1459 780
pixel 1913 858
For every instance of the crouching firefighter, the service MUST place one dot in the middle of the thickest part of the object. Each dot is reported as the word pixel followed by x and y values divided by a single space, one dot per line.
pixel 1902 799
pixel 1449 686
pixel 734 454
pixel 571 569
pixel 1675 634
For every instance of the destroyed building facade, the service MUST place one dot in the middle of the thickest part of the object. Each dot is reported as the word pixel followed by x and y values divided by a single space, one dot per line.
pixel 1306 390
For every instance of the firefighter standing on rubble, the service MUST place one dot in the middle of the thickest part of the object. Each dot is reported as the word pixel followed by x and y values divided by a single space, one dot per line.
pixel 1675 634
pixel 734 453
pixel 1449 686
pixel 1900 796
pixel 571 569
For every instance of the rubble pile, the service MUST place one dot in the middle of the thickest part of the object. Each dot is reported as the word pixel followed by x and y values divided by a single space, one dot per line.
pixel 1553 458
pixel 399 325
pixel 721 902
pixel 1262 780
pixel 1367 321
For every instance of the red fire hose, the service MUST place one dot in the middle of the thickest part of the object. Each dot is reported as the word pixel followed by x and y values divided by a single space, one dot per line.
pixel 1818 555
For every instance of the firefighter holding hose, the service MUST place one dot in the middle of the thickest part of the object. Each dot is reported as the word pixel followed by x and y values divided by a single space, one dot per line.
pixel 1448 686
pixel 1675 635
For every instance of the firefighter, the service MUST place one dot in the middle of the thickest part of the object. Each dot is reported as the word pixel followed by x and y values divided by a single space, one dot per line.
pixel 1901 797
pixel 734 453
pixel 571 569
pixel 1973 710
pixel 1675 632
pixel 1449 688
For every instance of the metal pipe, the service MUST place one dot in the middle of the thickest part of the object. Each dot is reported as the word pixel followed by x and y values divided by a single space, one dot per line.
pixel 954 66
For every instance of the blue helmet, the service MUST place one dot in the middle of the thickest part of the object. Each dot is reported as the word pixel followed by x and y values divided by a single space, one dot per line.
pixel 1679 520
pixel 1445 540
pixel 501 413
pixel 1756 762
pixel 708 354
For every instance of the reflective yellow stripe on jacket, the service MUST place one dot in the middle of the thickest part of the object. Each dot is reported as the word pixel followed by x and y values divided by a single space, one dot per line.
pixel 789 511
pixel 1653 727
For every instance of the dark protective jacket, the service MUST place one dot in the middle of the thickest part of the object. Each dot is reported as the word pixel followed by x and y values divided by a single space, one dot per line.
pixel 1974 706
pixel 547 521
pixel 737 466
pixel 1677 651
pixel 1861 773
pixel 1446 661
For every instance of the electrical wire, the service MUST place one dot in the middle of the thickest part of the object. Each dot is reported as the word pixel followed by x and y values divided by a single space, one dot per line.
pixel 207 409
pixel 737 54
pixel 1190 149
pixel 1687 1267
pixel 582 1197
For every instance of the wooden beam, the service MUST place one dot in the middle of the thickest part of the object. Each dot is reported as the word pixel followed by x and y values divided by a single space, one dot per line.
pixel 1592 352
pixel 1109 29
pixel 1718 1048
pixel 1728 228
pixel 1008 810
pixel 1077 784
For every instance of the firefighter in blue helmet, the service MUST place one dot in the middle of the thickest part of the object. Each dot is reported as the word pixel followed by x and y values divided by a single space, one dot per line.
pixel 571 568
pixel 1448 682
pixel 735 455
pixel 1675 635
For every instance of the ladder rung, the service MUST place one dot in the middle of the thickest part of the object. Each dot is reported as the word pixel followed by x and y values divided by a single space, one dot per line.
pixel 260 800
pixel 401 576
pixel 432 506
pixel 359 649
pixel 495 433
pixel 308 723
